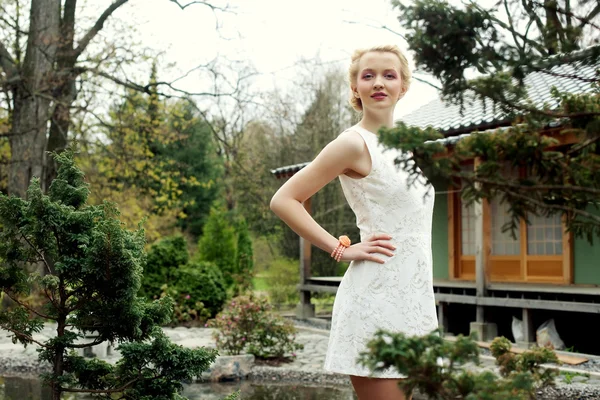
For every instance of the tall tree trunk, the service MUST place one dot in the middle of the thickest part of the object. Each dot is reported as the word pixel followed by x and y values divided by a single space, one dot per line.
pixel 32 97
pixel 66 91
pixel 59 128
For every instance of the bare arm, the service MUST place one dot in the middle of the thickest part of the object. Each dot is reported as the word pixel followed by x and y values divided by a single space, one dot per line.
pixel 338 157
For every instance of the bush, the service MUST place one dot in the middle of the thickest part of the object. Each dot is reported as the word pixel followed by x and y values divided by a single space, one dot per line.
pixel 249 324
pixel 282 279
pixel 436 367
pixel 183 313
pixel 163 260
pixel 197 288
pixel 200 282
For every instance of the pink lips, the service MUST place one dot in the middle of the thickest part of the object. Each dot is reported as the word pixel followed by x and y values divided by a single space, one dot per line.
pixel 379 95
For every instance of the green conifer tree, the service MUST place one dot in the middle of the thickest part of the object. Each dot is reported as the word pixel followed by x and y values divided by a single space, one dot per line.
pixel 244 261
pixel 217 243
pixel 92 273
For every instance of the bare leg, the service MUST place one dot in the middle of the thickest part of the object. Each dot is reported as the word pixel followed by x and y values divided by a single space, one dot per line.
pixel 377 389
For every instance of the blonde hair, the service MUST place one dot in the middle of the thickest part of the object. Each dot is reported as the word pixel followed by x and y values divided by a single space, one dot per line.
pixel 405 73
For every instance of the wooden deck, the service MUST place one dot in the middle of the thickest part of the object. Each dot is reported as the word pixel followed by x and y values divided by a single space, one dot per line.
pixel 575 298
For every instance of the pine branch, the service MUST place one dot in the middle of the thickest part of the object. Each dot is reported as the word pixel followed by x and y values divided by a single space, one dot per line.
pixel 583 144
pixel 85 41
pixel 566 209
pixel 106 391
pixel 28 307
pixel 25 336
pixel 38 253
pixel 535 188
pixel 83 346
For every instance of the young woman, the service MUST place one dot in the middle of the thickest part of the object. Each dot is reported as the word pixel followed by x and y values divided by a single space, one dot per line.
pixel 389 282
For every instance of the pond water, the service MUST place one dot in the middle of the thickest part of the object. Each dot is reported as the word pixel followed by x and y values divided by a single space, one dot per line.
pixel 29 388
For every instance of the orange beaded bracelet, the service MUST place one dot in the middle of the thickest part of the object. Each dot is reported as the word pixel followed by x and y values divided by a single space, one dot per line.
pixel 344 242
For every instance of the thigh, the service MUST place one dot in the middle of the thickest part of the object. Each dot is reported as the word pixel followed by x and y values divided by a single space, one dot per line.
pixel 377 389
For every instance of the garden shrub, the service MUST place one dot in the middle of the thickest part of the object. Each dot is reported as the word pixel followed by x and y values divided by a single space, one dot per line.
pixel 185 314
pixel 248 324
pixel 197 288
pixel 162 262
pixel 200 281
pixel 436 367
pixel 282 279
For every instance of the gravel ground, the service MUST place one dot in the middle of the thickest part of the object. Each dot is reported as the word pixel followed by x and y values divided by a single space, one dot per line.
pixel 307 366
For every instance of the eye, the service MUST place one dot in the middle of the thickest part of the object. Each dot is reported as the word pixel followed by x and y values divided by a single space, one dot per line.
pixel 367 76
pixel 390 76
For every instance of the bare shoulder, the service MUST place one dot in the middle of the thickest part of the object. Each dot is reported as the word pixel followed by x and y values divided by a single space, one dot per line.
pixel 351 141
pixel 338 157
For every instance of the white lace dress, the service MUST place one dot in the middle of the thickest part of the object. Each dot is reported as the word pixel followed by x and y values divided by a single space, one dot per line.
pixel 396 296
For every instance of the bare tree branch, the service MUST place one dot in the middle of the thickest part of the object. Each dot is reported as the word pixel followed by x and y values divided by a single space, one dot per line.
pixel 531 12
pixel 85 41
pixel 538 46
pixel 384 27
pixel 568 13
pixel 7 64
pixel 433 85
pixel 204 3
pixel 593 14
pixel 512 29
pixel 587 20
pixel 146 88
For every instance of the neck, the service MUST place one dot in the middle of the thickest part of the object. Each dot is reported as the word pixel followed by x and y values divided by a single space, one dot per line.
pixel 373 121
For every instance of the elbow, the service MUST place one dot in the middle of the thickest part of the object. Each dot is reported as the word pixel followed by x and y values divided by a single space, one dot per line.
pixel 275 204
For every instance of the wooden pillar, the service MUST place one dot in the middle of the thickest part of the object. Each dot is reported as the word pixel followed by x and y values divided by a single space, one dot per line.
pixel 480 267
pixel 305 309
pixel 485 331
pixel 442 316
pixel 528 329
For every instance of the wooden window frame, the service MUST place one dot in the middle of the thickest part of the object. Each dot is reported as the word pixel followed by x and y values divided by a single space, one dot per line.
pixel 462 267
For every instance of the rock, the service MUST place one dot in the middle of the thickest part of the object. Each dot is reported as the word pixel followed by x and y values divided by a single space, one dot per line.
pixel 229 368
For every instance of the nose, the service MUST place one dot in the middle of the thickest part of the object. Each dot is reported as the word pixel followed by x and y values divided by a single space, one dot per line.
pixel 378 83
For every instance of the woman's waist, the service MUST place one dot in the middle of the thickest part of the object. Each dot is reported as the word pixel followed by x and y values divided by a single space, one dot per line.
pixel 366 233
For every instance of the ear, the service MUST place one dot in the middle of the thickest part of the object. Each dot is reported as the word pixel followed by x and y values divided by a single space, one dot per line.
pixel 354 92
pixel 402 93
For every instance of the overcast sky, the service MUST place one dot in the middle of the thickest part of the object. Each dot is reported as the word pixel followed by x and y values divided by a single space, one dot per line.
pixel 272 34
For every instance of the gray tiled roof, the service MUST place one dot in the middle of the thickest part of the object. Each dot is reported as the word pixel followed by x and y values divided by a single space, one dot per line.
pixel 288 170
pixel 447 118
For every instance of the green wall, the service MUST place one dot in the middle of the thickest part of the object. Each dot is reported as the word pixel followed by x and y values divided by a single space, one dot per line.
pixel 440 234
pixel 586 256
pixel 586 260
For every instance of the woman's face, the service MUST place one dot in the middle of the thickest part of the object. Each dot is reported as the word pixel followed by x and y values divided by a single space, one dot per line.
pixel 379 83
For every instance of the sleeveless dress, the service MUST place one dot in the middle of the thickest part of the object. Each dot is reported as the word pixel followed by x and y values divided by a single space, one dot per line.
pixel 396 296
